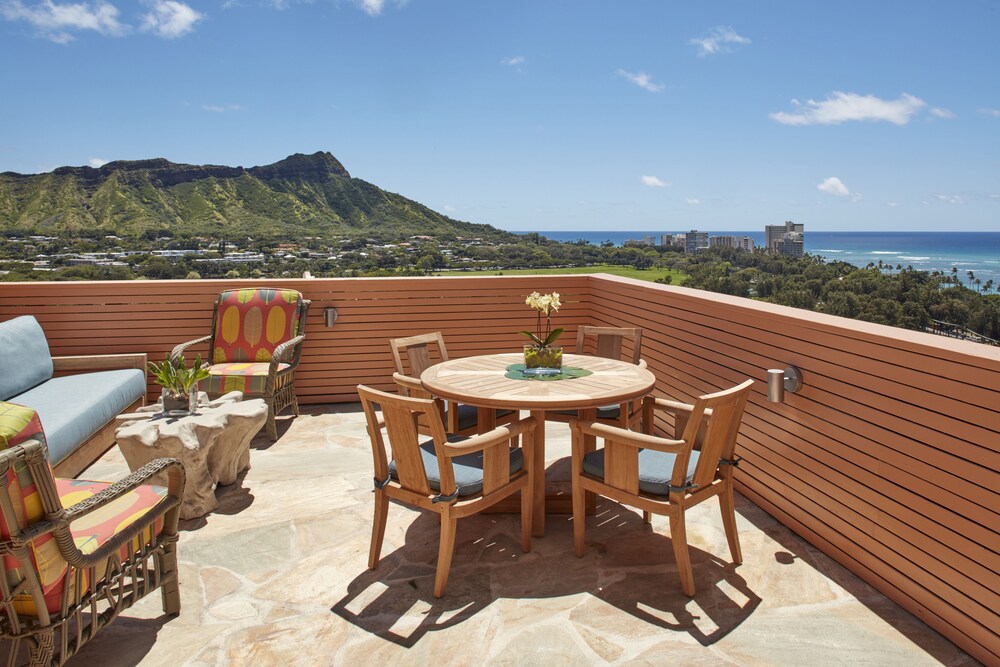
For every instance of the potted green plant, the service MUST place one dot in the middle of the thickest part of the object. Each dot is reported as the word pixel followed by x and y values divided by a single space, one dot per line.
pixel 541 355
pixel 180 383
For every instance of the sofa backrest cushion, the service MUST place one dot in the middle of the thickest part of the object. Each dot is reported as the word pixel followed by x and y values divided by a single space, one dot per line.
pixel 25 361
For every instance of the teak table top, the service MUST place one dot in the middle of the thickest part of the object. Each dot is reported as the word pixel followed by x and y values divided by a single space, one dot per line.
pixel 480 381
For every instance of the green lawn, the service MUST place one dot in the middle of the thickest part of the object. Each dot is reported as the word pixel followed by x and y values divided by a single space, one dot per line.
pixel 628 272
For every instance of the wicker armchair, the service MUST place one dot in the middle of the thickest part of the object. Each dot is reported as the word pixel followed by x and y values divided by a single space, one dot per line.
pixel 77 553
pixel 255 347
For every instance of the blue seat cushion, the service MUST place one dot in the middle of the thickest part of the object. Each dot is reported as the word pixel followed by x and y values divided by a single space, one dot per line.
pixel 606 412
pixel 468 416
pixel 655 469
pixel 74 407
pixel 26 361
pixel 468 467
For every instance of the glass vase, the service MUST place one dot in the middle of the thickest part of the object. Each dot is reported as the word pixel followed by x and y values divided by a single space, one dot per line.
pixel 542 360
pixel 175 404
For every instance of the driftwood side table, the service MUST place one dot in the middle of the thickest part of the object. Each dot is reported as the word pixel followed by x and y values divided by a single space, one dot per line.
pixel 213 443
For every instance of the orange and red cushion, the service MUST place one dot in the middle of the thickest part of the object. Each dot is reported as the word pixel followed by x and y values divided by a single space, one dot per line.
pixel 17 424
pixel 250 378
pixel 89 533
pixel 250 323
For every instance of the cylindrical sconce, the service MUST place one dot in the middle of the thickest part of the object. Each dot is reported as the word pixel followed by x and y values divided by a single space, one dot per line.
pixel 330 316
pixel 779 381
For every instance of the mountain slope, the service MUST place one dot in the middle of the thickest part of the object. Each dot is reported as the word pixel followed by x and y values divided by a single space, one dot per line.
pixel 300 195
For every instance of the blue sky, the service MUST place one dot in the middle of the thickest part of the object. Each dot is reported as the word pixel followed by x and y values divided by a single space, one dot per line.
pixel 540 115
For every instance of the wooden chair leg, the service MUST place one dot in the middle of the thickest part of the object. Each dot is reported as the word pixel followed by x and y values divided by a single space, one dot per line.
pixel 378 527
pixel 579 515
pixel 526 518
pixel 728 507
pixel 647 517
pixel 678 535
pixel 449 527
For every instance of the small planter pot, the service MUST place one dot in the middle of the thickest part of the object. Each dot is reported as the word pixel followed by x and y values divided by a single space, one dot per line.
pixel 542 360
pixel 179 405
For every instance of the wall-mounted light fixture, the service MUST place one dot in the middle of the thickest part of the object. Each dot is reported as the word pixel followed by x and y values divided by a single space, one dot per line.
pixel 330 315
pixel 779 381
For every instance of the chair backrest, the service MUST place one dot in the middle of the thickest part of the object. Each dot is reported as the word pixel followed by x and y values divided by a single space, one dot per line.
pixel 401 415
pixel 250 322
pixel 609 341
pixel 417 351
pixel 26 361
pixel 720 431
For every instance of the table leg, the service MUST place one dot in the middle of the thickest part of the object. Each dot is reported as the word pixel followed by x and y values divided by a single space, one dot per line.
pixel 537 473
pixel 487 419
pixel 589 445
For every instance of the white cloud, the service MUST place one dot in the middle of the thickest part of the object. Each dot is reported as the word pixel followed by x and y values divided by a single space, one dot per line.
pixel 514 61
pixel 654 182
pixel 222 108
pixel 950 199
pixel 372 7
pixel 97 162
pixel 449 208
pixel 55 21
pixel 892 204
pixel 717 41
pixel 834 186
pixel 941 113
pixel 990 112
pixel 642 80
pixel 170 19
pixel 692 201
pixel 839 107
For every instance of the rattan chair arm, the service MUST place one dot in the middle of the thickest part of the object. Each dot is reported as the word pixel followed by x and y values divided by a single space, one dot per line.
pixel 279 351
pixel 624 436
pixel 499 435
pixel 175 490
pixel 179 349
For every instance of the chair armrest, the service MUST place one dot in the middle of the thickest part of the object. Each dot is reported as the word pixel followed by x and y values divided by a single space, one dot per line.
pixel 99 362
pixel 175 490
pixel 631 438
pixel 499 435
pixel 279 352
pixel 179 349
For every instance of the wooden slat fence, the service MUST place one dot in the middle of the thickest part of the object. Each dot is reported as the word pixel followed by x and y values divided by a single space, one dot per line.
pixel 888 459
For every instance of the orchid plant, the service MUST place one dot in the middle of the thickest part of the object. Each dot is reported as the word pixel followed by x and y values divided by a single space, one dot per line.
pixel 545 304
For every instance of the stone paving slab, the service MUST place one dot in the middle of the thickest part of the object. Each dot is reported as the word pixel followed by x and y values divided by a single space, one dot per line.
pixel 277 575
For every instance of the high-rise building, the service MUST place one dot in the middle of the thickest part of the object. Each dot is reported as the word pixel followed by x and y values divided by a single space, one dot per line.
pixel 695 241
pixel 738 242
pixel 786 239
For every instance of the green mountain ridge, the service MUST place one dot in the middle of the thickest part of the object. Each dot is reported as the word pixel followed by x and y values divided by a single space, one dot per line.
pixel 302 195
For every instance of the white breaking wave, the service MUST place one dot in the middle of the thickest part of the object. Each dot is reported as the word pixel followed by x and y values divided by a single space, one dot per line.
pixel 914 259
pixel 886 252
pixel 828 250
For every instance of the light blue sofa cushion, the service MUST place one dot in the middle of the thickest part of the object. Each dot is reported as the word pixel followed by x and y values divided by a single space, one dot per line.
pixel 25 361
pixel 468 468
pixel 74 407
pixel 655 469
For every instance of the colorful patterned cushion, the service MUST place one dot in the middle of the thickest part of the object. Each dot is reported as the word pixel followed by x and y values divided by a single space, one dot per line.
pixel 17 424
pixel 239 376
pixel 250 323
pixel 89 533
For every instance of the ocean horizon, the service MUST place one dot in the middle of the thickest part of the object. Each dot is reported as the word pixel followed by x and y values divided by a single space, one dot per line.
pixel 978 252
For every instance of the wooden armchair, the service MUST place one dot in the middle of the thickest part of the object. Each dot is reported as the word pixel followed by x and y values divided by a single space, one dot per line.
pixel 255 347
pixel 460 419
pixel 454 476
pixel 609 346
pixel 663 476
pixel 77 553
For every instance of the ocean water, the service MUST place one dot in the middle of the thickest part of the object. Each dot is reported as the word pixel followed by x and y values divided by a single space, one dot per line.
pixel 978 252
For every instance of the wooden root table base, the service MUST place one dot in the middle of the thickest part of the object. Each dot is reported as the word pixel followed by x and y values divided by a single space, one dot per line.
pixel 481 381
pixel 213 444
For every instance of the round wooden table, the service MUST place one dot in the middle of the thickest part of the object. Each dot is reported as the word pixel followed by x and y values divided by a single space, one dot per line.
pixel 480 381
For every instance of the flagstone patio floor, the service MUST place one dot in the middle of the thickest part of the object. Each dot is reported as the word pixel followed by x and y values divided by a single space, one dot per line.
pixel 277 575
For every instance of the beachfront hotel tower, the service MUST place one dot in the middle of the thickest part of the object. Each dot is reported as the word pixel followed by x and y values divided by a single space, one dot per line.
pixel 787 239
